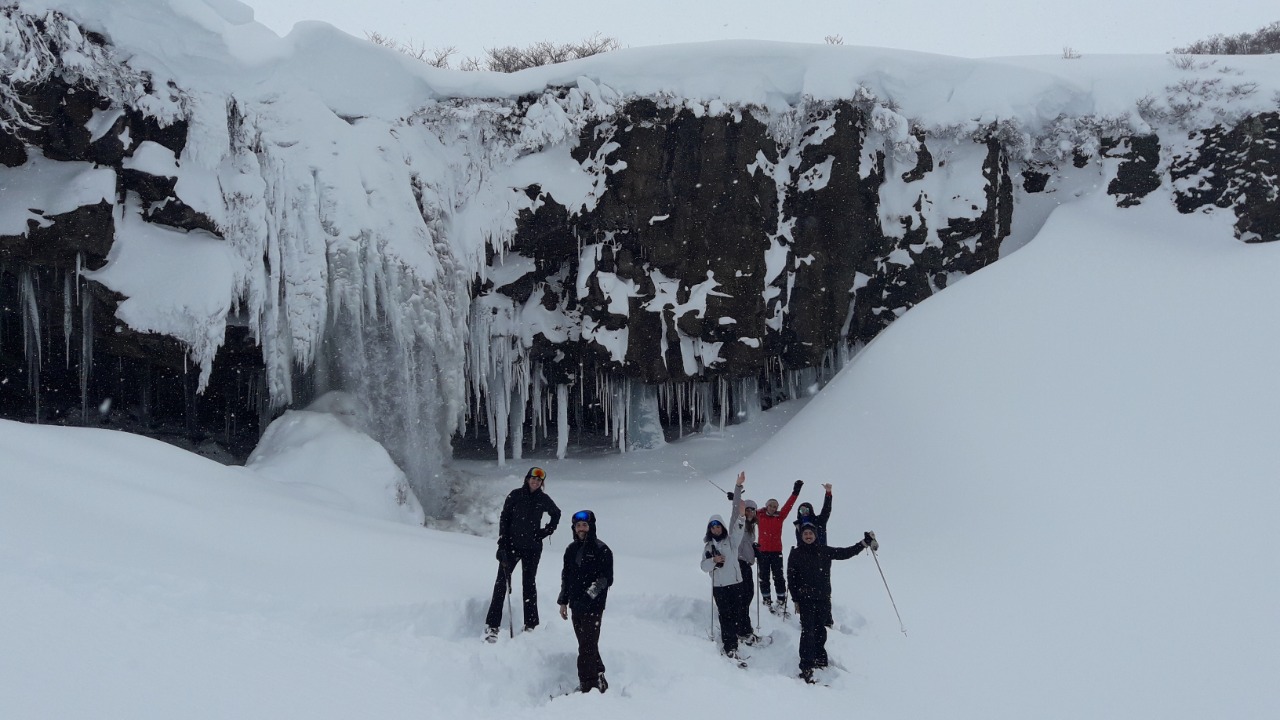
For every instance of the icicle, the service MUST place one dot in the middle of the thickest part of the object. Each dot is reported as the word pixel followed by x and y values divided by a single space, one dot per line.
pixel 723 389
pixel 31 337
pixel 620 399
pixel 521 392
pixel 66 319
pixel 86 352
pixel 539 402
pixel 680 409
pixel 562 420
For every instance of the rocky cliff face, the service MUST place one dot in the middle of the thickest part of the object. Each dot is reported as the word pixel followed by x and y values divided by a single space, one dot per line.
pixel 715 258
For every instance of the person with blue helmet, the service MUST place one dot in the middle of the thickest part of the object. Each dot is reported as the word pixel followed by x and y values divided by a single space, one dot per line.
pixel 584 589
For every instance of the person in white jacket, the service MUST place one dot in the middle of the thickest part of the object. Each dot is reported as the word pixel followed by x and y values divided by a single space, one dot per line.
pixel 720 560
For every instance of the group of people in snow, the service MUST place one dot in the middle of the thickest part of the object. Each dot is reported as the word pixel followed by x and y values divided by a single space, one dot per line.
pixel 730 549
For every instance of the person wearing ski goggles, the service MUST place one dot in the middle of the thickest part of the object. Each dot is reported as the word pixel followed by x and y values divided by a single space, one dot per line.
pixel 584 589
pixel 520 536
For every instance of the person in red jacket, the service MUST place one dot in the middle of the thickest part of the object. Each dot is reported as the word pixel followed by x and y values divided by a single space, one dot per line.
pixel 769 554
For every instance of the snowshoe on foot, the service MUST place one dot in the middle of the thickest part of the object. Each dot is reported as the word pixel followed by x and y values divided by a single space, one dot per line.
pixel 738 658
pixel 807 676
pixel 491 635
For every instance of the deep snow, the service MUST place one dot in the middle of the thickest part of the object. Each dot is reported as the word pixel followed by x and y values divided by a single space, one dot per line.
pixel 1068 458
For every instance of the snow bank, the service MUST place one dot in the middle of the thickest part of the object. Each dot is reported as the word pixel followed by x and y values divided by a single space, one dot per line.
pixel 321 453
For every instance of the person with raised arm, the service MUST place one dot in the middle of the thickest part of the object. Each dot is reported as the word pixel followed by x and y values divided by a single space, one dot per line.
pixel 720 561
pixel 769 553
pixel 809 572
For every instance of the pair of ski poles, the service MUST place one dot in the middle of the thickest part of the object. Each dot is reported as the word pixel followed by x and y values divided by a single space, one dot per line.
pixel 901 625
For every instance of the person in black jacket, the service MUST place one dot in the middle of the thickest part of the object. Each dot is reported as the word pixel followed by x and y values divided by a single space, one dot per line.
pixel 520 535
pixel 804 514
pixel 809 575
pixel 584 588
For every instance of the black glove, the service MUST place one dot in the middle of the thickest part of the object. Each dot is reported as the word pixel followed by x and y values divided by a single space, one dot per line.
pixel 869 540
pixel 795 489
pixel 729 494
pixel 504 551
pixel 545 532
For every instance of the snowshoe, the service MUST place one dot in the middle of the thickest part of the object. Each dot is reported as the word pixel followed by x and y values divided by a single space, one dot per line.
pixel 754 640
pixel 738 658
pixel 491 635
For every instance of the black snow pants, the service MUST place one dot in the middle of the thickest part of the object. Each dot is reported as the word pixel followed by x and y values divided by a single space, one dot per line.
pixel 813 633
pixel 528 559
pixel 771 566
pixel 586 625
pixel 726 598
pixel 746 593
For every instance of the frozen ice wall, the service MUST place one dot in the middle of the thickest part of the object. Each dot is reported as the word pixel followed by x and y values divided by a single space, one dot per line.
pixel 360 213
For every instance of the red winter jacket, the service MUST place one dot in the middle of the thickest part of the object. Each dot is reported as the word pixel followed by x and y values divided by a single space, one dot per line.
pixel 771 526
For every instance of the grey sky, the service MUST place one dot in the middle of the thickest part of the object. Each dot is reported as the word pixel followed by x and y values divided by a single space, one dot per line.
pixel 951 27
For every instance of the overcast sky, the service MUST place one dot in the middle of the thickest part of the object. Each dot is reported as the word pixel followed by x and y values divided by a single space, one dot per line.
pixel 949 27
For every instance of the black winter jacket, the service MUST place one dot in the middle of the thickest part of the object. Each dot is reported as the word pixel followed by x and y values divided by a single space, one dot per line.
pixel 809 570
pixel 520 524
pixel 585 562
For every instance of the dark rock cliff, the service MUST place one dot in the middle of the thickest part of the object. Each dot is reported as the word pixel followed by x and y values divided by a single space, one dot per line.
pixel 726 258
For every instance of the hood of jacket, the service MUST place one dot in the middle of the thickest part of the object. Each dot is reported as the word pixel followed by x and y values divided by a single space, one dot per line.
pixel 708 537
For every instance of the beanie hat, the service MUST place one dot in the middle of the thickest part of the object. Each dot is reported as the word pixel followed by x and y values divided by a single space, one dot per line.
pixel 751 504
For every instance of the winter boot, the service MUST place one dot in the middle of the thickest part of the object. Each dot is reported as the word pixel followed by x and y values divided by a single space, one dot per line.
pixel 768 602
pixel 807 676
pixel 601 683
pixel 491 635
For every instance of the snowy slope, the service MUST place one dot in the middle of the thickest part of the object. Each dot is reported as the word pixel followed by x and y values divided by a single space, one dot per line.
pixel 1068 458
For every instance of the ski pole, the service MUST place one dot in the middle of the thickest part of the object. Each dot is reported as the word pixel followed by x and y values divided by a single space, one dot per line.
pixel 511 626
pixel 704 477
pixel 886 589
pixel 757 611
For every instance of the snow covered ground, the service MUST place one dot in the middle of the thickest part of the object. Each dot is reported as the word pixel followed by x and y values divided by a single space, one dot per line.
pixel 1069 459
